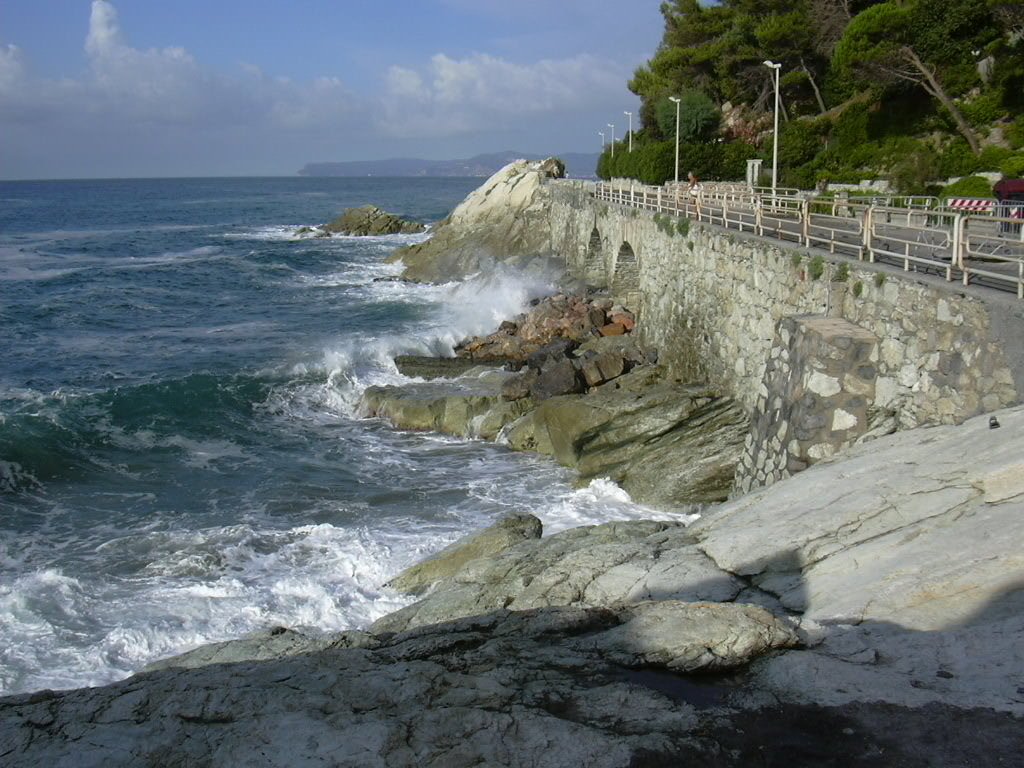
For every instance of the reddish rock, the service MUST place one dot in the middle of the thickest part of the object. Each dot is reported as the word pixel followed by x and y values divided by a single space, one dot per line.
pixel 625 319
pixel 613 329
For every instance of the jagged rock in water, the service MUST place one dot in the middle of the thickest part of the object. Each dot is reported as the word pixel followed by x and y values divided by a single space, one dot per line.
pixel 471 405
pixel 371 220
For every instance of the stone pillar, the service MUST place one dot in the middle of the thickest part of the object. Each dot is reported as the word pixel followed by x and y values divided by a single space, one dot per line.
pixel 818 383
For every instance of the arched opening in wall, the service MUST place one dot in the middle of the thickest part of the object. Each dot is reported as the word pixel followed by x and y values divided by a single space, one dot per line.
pixel 627 271
pixel 593 267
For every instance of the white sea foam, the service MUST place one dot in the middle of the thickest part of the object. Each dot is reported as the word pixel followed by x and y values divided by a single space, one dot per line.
pixel 199 587
pixel 600 502
pixel 290 232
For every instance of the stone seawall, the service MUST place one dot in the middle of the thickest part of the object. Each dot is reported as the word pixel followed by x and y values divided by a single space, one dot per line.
pixel 711 301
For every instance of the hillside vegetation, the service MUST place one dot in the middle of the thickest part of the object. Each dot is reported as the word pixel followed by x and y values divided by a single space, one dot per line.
pixel 912 91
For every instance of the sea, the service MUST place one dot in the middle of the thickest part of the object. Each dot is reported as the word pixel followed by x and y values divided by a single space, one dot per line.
pixel 182 457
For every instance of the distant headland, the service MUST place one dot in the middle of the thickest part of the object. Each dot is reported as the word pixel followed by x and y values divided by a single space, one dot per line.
pixel 578 165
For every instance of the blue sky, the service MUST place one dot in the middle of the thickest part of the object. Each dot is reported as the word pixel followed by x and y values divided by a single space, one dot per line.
pixel 105 88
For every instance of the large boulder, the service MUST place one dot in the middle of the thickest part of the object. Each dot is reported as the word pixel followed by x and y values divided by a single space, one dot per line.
pixel 371 220
pixel 503 221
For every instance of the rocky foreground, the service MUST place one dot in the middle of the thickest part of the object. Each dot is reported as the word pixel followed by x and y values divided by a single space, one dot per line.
pixel 877 602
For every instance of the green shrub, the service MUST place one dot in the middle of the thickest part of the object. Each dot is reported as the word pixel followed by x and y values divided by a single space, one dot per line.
pixel 795 259
pixel 880 279
pixel 842 273
pixel 972 186
pixel 983 110
pixel 1013 167
pixel 1015 133
pixel 992 158
pixel 858 289
pixel 683 228
pixel 956 159
pixel 816 268
pixel 911 173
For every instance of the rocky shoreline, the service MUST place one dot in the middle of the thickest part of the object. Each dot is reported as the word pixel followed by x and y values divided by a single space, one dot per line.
pixel 865 612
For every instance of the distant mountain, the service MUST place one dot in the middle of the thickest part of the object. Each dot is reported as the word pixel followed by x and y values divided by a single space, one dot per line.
pixel 578 165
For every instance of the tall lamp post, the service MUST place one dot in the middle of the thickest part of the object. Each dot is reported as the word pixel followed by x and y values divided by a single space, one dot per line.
pixel 630 132
pixel 612 126
pixel 601 134
pixel 677 103
pixel 775 134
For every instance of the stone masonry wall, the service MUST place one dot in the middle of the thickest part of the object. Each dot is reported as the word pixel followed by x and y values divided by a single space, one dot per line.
pixel 814 400
pixel 711 300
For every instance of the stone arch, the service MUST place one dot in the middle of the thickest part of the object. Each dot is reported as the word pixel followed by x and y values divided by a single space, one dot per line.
pixel 627 270
pixel 593 266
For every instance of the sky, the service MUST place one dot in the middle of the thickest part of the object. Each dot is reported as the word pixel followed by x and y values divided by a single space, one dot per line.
pixel 147 88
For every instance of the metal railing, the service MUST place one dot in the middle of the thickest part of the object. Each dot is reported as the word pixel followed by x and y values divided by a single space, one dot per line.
pixel 919 236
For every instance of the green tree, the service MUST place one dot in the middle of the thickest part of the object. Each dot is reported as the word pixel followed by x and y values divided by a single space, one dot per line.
pixel 699 117
pixel 909 42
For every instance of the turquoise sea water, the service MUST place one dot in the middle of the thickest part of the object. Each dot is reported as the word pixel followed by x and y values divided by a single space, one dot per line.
pixel 181 460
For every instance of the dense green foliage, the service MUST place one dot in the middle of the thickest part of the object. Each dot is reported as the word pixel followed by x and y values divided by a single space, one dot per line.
pixel 913 91
pixel 971 186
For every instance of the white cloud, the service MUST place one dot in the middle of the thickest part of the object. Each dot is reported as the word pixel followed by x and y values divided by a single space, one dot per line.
pixel 455 95
pixel 135 110
pixel 12 68
pixel 127 86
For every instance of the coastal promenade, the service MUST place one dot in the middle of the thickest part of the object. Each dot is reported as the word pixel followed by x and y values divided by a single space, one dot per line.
pixel 974 248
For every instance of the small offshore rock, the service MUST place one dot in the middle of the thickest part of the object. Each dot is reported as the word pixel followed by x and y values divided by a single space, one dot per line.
pixel 371 220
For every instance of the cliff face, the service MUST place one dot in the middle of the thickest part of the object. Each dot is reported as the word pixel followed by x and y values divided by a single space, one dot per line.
pixel 503 221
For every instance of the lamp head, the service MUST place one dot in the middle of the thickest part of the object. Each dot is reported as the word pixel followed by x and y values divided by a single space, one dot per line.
pixel 772 64
pixel 673 99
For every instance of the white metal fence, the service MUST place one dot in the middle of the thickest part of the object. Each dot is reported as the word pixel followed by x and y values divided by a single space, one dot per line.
pixel 979 248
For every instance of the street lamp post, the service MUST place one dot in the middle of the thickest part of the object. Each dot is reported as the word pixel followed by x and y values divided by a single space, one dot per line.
pixel 677 103
pixel 601 134
pixel 630 132
pixel 775 134
pixel 612 126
